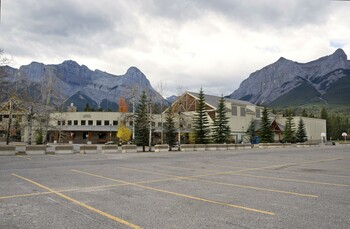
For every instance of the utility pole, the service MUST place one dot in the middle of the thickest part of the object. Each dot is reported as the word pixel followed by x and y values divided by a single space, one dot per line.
pixel 133 116
pixel 9 124
pixel 30 125
pixel 150 125
pixel 179 131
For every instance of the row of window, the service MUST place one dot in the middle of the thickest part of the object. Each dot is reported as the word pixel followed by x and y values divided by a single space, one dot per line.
pixel 88 122
pixel 234 111
pixel 6 116
pixel 97 123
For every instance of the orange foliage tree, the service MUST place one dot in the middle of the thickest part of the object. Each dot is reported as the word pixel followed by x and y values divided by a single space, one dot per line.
pixel 123 106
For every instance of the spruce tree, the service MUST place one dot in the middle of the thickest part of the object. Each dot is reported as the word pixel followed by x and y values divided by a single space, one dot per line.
pixel 142 122
pixel 221 128
pixel 169 128
pixel 301 132
pixel 251 131
pixel 200 121
pixel 289 127
pixel 265 131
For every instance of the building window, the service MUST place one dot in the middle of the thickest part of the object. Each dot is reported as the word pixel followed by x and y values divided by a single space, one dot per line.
pixel 75 122
pixel 58 123
pixel 242 111
pixel 234 110
pixel 115 123
pixel 90 122
pixel 153 124
pixel 257 111
pixel 6 116
pixel 63 122
pixel 69 122
pixel 98 123
pixel 159 124
pixel 83 122
pixel 130 123
pixel 85 135
pixel 106 123
pixel 0 118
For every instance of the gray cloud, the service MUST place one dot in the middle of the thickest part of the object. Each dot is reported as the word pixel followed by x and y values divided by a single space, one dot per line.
pixel 253 14
pixel 214 44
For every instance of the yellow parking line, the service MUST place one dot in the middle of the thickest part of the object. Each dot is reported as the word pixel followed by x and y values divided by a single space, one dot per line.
pixel 112 217
pixel 223 183
pixel 305 173
pixel 61 190
pixel 178 194
pixel 24 195
pixel 26 157
pixel 294 180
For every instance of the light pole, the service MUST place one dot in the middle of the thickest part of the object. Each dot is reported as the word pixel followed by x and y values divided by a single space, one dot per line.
pixel 150 126
pixel 110 132
pixel 323 136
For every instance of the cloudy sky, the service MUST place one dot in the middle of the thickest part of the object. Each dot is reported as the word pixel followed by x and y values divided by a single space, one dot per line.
pixel 183 43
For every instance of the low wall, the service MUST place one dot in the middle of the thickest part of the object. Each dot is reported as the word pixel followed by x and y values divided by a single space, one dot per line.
pixel 275 145
pixel 63 149
pixel 199 147
pixel 303 145
pixel 129 148
pixel 187 147
pixel 7 150
pixel 212 147
pixel 36 149
pixel 88 149
pixel 161 148
pixel 110 149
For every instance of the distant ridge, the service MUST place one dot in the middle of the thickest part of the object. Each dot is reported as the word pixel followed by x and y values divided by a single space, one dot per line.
pixel 74 83
pixel 286 82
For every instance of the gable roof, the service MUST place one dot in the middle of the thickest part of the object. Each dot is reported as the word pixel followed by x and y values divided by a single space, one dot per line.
pixel 213 100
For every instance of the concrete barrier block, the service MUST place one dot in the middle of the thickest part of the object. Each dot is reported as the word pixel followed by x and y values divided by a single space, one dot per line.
pixel 88 149
pixel 187 147
pixel 7 150
pixel 129 148
pixel 36 149
pixel 231 146
pixel 110 149
pixel 161 148
pixel 63 149
pixel 199 147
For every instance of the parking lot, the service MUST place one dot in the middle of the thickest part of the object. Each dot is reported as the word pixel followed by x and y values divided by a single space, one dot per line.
pixel 255 188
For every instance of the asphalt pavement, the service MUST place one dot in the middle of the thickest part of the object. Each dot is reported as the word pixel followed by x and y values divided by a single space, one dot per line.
pixel 255 188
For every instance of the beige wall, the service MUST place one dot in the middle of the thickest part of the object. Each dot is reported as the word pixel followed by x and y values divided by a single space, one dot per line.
pixel 313 126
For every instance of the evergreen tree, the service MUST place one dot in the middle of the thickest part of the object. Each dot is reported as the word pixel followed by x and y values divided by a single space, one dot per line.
pixel 200 121
pixel 221 128
pixel 301 132
pixel 289 127
pixel 87 107
pixel 251 131
pixel 265 131
pixel 142 122
pixel 304 113
pixel 169 128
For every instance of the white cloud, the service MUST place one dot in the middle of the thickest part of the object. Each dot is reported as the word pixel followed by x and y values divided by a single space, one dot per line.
pixel 213 44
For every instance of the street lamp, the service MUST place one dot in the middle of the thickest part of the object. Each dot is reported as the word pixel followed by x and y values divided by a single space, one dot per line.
pixel 344 135
pixel 110 132
pixel 323 136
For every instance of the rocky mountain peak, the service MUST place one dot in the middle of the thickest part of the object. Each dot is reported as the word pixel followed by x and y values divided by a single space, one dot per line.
pixel 339 53
pixel 277 79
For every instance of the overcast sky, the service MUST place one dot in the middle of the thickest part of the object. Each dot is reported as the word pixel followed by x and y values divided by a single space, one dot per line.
pixel 183 43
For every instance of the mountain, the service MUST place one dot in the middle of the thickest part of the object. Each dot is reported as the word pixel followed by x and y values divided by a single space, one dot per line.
pixel 289 83
pixel 70 82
